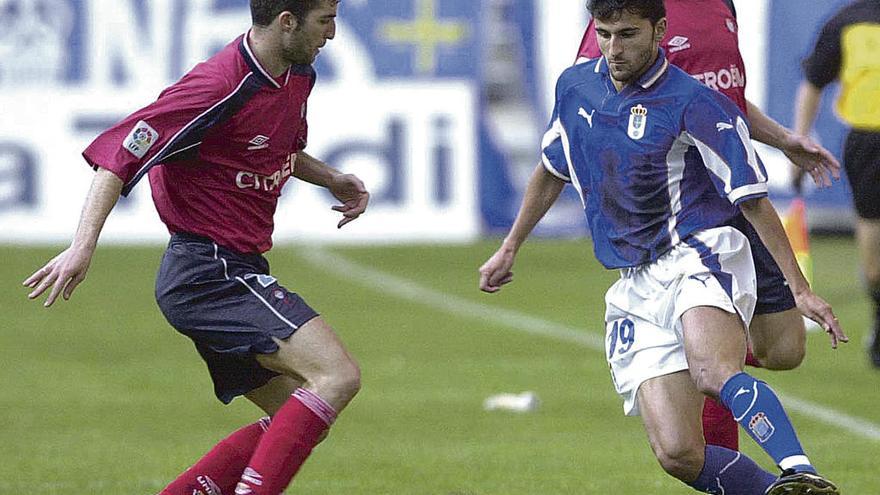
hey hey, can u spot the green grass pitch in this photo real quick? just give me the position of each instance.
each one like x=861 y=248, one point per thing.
x=101 y=396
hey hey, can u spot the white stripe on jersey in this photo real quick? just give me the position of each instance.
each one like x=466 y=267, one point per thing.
x=743 y=130
x=675 y=173
x=714 y=163
x=567 y=149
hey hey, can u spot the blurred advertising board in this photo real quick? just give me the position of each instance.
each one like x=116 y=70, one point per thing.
x=396 y=103
x=439 y=105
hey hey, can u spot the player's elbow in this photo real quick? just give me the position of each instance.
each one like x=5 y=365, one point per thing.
x=753 y=207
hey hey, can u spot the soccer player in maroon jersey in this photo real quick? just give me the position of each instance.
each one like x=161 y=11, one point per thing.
x=218 y=147
x=702 y=40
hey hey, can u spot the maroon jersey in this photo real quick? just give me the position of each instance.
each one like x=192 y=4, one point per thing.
x=218 y=146
x=702 y=40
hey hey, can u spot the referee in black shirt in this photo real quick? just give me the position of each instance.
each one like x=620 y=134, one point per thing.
x=848 y=51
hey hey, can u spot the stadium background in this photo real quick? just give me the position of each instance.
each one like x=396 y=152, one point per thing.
x=439 y=106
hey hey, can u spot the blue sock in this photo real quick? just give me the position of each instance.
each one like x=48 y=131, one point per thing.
x=755 y=406
x=729 y=472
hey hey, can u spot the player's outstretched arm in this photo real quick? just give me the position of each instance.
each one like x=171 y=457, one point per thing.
x=807 y=155
x=761 y=214
x=347 y=188
x=806 y=107
x=541 y=193
x=67 y=270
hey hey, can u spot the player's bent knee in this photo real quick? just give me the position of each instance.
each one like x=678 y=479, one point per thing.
x=340 y=385
x=787 y=358
x=710 y=379
x=348 y=380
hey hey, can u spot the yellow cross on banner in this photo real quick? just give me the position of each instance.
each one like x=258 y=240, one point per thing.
x=426 y=33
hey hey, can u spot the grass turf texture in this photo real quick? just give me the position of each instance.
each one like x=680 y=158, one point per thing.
x=101 y=396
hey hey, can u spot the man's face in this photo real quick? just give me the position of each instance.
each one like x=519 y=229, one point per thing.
x=628 y=43
x=302 y=44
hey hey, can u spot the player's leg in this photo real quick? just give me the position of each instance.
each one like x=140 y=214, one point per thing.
x=777 y=332
x=719 y=427
x=861 y=159
x=779 y=339
x=221 y=468
x=868 y=239
x=670 y=407
x=331 y=378
x=715 y=347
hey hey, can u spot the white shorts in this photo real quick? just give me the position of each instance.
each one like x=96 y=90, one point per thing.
x=643 y=335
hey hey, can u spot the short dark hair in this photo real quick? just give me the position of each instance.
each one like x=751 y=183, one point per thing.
x=263 y=12
x=653 y=10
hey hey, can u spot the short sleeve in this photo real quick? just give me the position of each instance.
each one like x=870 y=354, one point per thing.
x=822 y=66
x=552 y=150
x=719 y=131
x=163 y=131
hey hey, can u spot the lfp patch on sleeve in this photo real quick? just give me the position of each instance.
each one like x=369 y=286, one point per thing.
x=141 y=138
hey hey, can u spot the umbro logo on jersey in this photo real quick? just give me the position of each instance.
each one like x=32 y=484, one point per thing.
x=678 y=43
x=723 y=126
x=589 y=116
x=259 y=142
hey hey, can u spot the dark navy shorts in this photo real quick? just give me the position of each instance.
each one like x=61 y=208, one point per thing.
x=774 y=295
x=861 y=159
x=230 y=307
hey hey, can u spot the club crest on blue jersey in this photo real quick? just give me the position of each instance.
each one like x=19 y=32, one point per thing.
x=638 y=119
x=761 y=426
x=140 y=139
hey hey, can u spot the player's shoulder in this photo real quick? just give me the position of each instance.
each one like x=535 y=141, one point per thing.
x=691 y=92
x=681 y=81
x=583 y=71
x=219 y=74
x=853 y=12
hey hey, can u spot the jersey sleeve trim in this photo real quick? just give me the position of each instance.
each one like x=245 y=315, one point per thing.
x=549 y=168
x=721 y=169
x=191 y=134
x=750 y=191
x=552 y=142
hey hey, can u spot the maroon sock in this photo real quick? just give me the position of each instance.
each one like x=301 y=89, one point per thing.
x=296 y=428
x=719 y=427
x=752 y=361
x=219 y=470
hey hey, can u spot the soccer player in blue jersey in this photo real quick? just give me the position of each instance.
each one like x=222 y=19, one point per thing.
x=663 y=165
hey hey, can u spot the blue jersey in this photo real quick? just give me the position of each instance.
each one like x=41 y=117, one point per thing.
x=662 y=159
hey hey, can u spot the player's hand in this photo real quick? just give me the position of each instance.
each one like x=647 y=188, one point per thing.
x=63 y=273
x=495 y=272
x=816 y=309
x=811 y=158
x=348 y=189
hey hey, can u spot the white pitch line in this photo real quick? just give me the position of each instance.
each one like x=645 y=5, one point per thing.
x=414 y=292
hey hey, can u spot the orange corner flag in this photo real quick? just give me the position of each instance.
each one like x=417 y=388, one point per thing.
x=795 y=223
